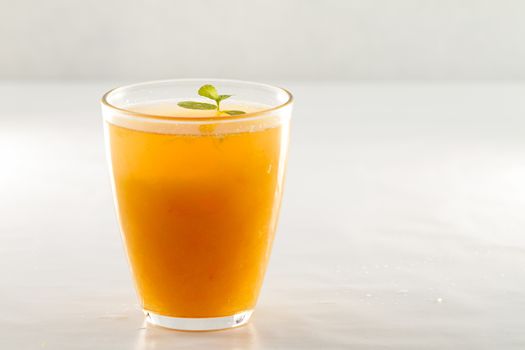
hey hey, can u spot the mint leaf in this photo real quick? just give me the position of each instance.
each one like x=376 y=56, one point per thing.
x=233 y=112
x=196 y=105
x=223 y=97
x=209 y=91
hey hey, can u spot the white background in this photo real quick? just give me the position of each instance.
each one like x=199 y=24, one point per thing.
x=263 y=39
x=401 y=228
x=403 y=221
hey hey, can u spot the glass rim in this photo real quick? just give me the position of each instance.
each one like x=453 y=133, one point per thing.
x=105 y=102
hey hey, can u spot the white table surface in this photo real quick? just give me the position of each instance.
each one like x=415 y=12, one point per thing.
x=403 y=224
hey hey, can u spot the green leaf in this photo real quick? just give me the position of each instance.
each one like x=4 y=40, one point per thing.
x=209 y=91
x=233 y=112
x=196 y=105
x=223 y=97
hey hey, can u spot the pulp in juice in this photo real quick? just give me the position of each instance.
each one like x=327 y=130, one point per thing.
x=198 y=211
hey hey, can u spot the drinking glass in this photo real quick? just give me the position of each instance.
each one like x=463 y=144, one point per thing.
x=197 y=198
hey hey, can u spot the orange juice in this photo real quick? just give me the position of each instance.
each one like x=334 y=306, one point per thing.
x=198 y=212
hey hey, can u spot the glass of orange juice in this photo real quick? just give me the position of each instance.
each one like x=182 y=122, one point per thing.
x=197 y=192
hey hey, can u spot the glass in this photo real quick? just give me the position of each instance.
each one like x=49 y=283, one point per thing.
x=197 y=198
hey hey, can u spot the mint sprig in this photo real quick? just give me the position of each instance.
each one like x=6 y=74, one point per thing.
x=209 y=91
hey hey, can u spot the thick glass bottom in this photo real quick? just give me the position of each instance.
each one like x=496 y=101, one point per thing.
x=199 y=324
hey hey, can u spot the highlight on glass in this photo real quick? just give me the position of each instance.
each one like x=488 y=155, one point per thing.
x=197 y=169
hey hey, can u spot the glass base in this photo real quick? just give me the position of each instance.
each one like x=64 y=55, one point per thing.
x=198 y=324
